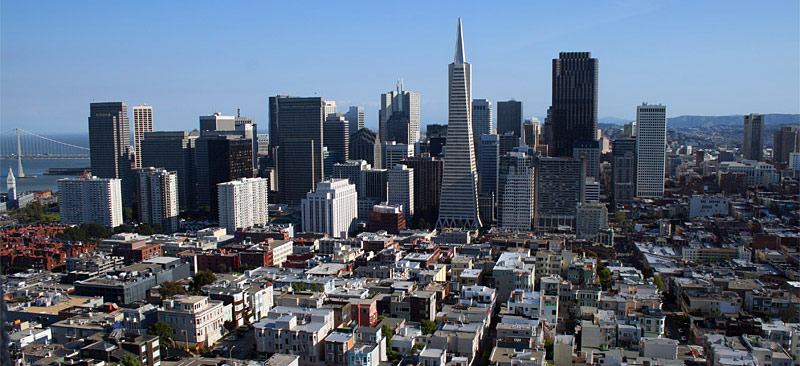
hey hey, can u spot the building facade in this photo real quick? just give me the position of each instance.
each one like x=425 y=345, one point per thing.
x=332 y=208
x=158 y=197
x=88 y=199
x=509 y=117
x=173 y=151
x=109 y=145
x=651 y=144
x=515 y=198
x=243 y=203
x=573 y=115
x=753 y=144
x=400 y=190
x=142 y=123
x=401 y=104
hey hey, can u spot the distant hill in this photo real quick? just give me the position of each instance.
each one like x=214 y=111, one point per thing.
x=709 y=121
x=613 y=121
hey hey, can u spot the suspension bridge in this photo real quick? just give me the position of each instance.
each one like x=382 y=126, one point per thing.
x=20 y=144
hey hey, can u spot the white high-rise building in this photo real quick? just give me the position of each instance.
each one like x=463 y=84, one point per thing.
x=355 y=116
x=329 y=108
x=243 y=203
x=651 y=142
x=516 y=186
x=332 y=208
x=142 y=122
x=394 y=153
x=591 y=218
x=88 y=199
x=401 y=188
x=402 y=102
x=158 y=197
x=591 y=190
x=459 y=199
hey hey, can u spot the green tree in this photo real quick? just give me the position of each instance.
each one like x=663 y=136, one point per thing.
x=169 y=289
x=162 y=330
x=73 y=234
x=96 y=231
x=127 y=213
x=605 y=275
x=222 y=268
x=144 y=229
x=428 y=327
x=621 y=216
x=658 y=282
x=548 y=348
x=130 y=360
x=203 y=278
x=124 y=228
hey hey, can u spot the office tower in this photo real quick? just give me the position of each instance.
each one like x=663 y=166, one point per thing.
x=263 y=144
x=109 y=144
x=243 y=203
x=355 y=116
x=90 y=199
x=249 y=130
x=394 y=153
x=142 y=123
x=365 y=145
x=398 y=128
x=588 y=150
x=298 y=137
x=591 y=190
x=623 y=165
x=488 y=161
x=557 y=191
x=794 y=161
x=174 y=151
x=400 y=189
x=486 y=205
x=481 y=118
x=651 y=142
x=437 y=139
x=515 y=196
x=373 y=190
x=427 y=185
x=591 y=218
x=629 y=130
x=574 y=111
x=158 y=197
x=459 y=200
x=507 y=142
x=509 y=117
x=388 y=218
x=329 y=108
x=530 y=132
x=336 y=135
x=786 y=141
x=351 y=170
x=752 y=148
x=400 y=103
x=216 y=122
x=332 y=208
x=220 y=158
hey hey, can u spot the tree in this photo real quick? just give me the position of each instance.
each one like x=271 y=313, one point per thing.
x=548 y=348
x=621 y=216
x=428 y=327
x=222 y=268
x=605 y=275
x=73 y=234
x=96 y=231
x=658 y=282
x=162 y=330
x=130 y=360
x=127 y=213
x=169 y=289
x=203 y=278
x=124 y=228
x=145 y=229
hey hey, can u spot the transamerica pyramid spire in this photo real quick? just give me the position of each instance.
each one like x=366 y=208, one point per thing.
x=459 y=58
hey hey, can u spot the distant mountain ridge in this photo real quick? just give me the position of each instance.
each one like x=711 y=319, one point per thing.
x=772 y=119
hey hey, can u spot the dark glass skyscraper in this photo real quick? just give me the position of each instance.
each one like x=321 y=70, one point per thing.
x=110 y=144
x=221 y=159
x=574 y=111
x=509 y=117
x=173 y=151
x=365 y=145
x=296 y=131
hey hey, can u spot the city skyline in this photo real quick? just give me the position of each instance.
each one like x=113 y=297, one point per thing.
x=684 y=71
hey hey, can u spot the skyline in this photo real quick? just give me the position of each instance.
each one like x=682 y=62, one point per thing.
x=185 y=67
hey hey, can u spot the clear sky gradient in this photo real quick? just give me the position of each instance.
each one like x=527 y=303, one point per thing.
x=191 y=58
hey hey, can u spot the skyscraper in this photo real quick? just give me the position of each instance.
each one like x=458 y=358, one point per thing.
x=481 y=118
x=623 y=166
x=752 y=148
x=786 y=141
x=88 y=199
x=296 y=132
x=243 y=203
x=488 y=160
x=331 y=208
x=574 y=111
x=509 y=117
x=588 y=150
x=394 y=153
x=220 y=158
x=400 y=103
x=459 y=201
x=365 y=145
x=109 y=144
x=142 y=122
x=530 y=132
x=336 y=134
x=158 y=197
x=174 y=151
x=651 y=142
x=400 y=189
x=351 y=170
x=355 y=116
x=557 y=191
x=515 y=198
x=427 y=185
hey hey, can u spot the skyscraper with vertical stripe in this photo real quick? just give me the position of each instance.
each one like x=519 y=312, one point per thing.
x=459 y=200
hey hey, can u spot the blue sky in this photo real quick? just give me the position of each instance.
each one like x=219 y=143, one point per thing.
x=193 y=58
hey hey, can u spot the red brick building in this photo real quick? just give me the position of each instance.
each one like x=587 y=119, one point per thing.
x=386 y=217
x=36 y=246
x=364 y=312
